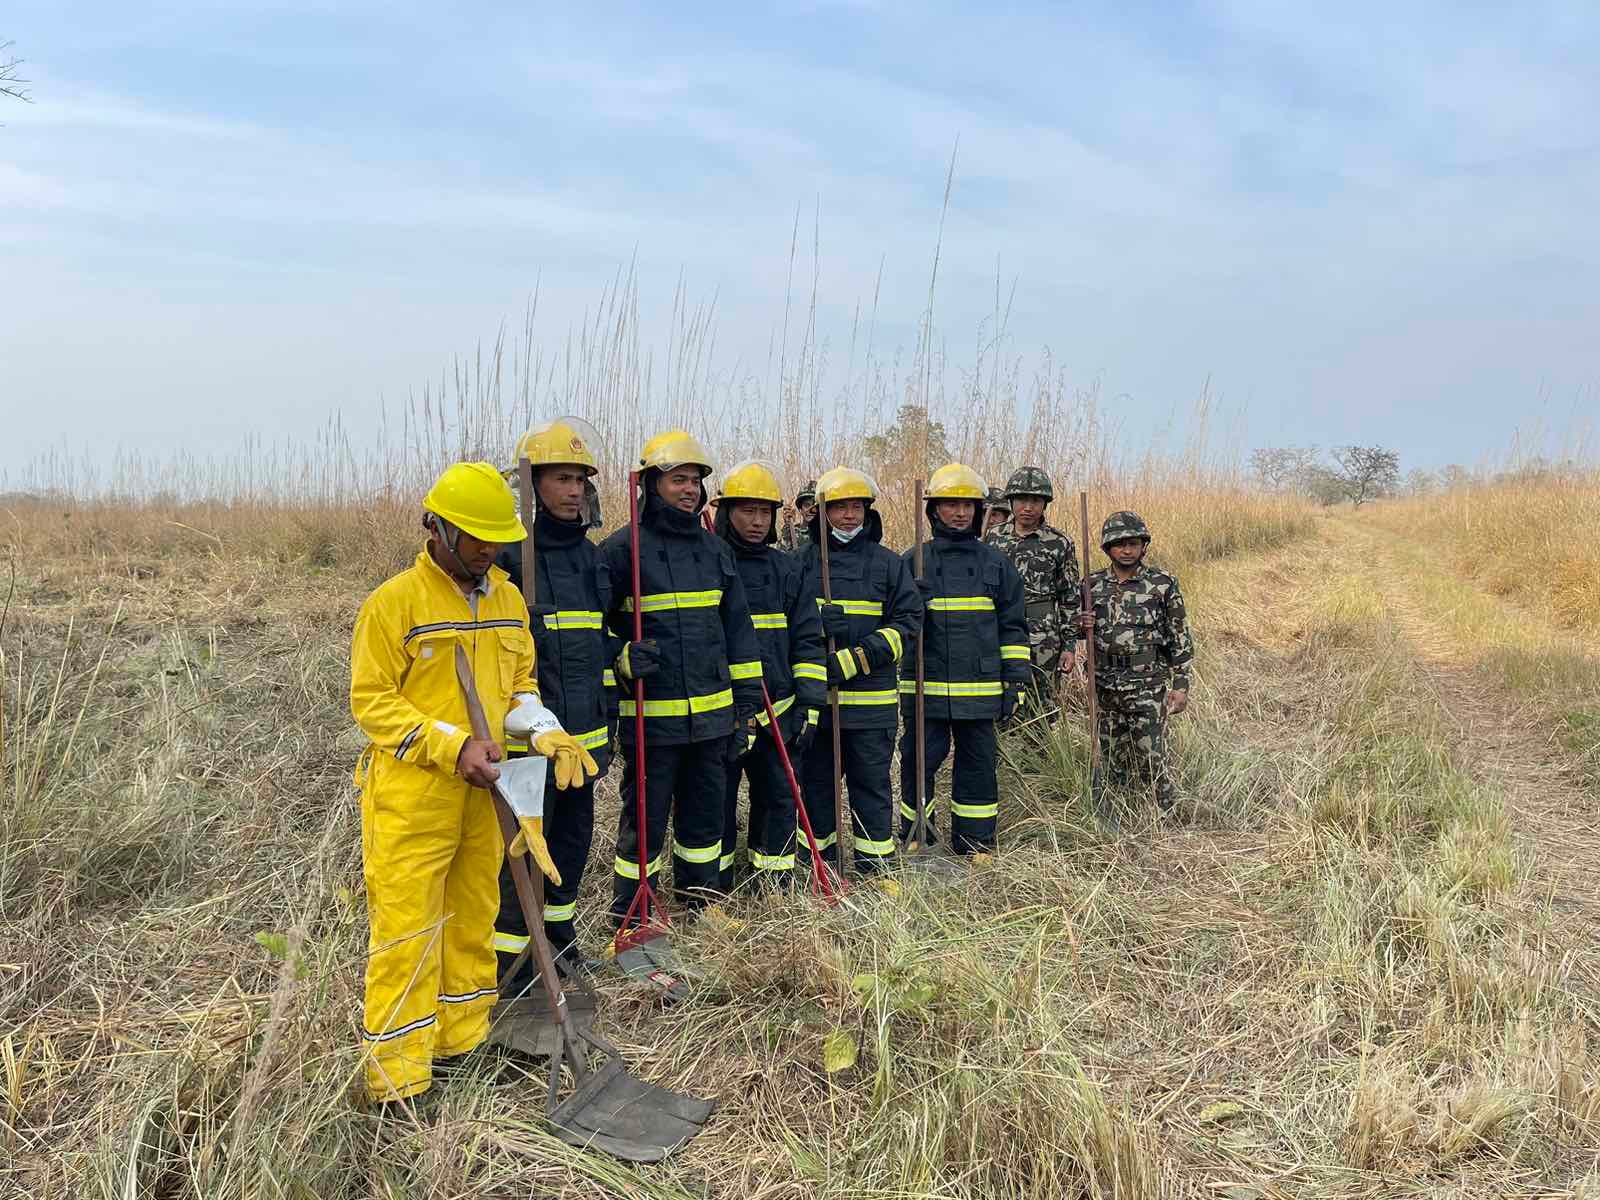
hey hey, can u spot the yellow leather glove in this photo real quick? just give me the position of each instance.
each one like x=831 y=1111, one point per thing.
x=571 y=762
x=530 y=840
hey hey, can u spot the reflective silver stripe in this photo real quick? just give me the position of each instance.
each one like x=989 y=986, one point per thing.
x=848 y=697
x=727 y=861
x=975 y=812
x=465 y=997
x=771 y=862
x=554 y=914
x=421 y=1023
x=466 y=626
x=575 y=619
x=405 y=742
x=770 y=620
x=778 y=706
x=961 y=604
x=511 y=943
x=698 y=854
x=745 y=670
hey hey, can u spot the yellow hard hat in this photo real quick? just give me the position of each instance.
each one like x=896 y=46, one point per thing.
x=672 y=449
x=953 y=481
x=846 y=483
x=752 y=480
x=564 y=441
x=477 y=500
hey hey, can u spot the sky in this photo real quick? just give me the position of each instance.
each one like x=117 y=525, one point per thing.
x=1362 y=222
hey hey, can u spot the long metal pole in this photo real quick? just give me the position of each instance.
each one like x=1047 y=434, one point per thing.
x=1087 y=605
x=820 y=883
x=841 y=832
x=919 y=826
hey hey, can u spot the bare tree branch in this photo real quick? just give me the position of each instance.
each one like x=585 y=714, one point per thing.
x=10 y=82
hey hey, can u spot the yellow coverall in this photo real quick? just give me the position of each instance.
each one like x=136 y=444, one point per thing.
x=431 y=846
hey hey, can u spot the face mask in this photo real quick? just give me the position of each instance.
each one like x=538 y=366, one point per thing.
x=847 y=538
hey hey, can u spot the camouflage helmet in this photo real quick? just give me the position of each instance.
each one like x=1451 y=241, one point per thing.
x=1029 y=481
x=1120 y=525
x=807 y=494
x=999 y=500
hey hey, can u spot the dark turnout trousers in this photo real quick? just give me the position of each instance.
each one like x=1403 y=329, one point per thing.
x=974 y=789
x=569 y=830
x=772 y=816
x=686 y=782
x=866 y=757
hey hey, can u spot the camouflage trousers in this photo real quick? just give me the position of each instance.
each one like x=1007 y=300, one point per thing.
x=1133 y=741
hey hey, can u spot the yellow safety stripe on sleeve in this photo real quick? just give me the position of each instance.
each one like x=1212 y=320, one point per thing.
x=575 y=619
x=892 y=636
x=680 y=708
x=745 y=670
x=727 y=861
x=857 y=608
x=608 y=677
x=1015 y=652
x=960 y=604
x=876 y=849
x=778 y=706
x=862 y=698
x=555 y=913
x=510 y=943
x=806 y=670
x=628 y=868
x=698 y=854
x=975 y=812
x=772 y=862
x=770 y=620
x=594 y=739
x=661 y=601
x=951 y=691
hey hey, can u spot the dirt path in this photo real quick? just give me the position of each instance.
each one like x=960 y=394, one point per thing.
x=1507 y=741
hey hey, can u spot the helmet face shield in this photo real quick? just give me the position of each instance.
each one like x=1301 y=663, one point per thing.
x=673 y=449
x=561 y=441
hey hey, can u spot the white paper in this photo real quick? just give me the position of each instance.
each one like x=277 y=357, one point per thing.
x=522 y=784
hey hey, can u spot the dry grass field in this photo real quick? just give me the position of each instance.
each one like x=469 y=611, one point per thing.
x=1360 y=962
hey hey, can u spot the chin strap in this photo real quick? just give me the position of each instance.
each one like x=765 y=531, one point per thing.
x=450 y=538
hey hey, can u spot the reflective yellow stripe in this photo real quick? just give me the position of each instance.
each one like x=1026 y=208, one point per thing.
x=667 y=600
x=681 y=708
x=727 y=861
x=594 y=739
x=510 y=943
x=770 y=620
x=556 y=913
x=628 y=868
x=575 y=619
x=778 y=706
x=772 y=862
x=933 y=687
x=892 y=636
x=517 y=745
x=961 y=604
x=608 y=677
x=976 y=812
x=745 y=670
x=857 y=608
x=698 y=854
x=824 y=843
x=848 y=698
x=816 y=671
x=876 y=849
x=1015 y=652
x=910 y=813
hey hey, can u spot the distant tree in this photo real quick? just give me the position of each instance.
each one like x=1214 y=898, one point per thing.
x=1282 y=468
x=910 y=448
x=10 y=82
x=1454 y=477
x=1317 y=482
x=1421 y=483
x=1366 y=472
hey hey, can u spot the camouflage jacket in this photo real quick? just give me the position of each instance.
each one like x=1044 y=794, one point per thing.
x=1143 y=618
x=1048 y=564
x=794 y=537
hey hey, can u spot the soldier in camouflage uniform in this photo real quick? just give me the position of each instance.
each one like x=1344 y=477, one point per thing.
x=1142 y=654
x=796 y=534
x=1048 y=563
x=997 y=512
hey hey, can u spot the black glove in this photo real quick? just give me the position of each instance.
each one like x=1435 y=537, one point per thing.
x=843 y=666
x=740 y=743
x=805 y=733
x=536 y=615
x=1010 y=700
x=639 y=660
x=836 y=623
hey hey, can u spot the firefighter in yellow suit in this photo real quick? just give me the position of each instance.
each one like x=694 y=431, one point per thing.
x=431 y=844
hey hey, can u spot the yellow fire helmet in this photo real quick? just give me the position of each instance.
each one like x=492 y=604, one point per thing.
x=752 y=480
x=954 y=481
x=846 y=483
x=564 y=441
x=476 y=499
x=672 y=449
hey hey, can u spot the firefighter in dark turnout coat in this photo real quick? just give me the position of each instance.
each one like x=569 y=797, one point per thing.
x=700 y=665
x=875 y=614
x=975 y=661
x=789 y=631
x=574 y=653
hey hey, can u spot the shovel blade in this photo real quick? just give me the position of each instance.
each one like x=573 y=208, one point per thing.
x=526 y=1024
x=627 y=1117
x=654 y=962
